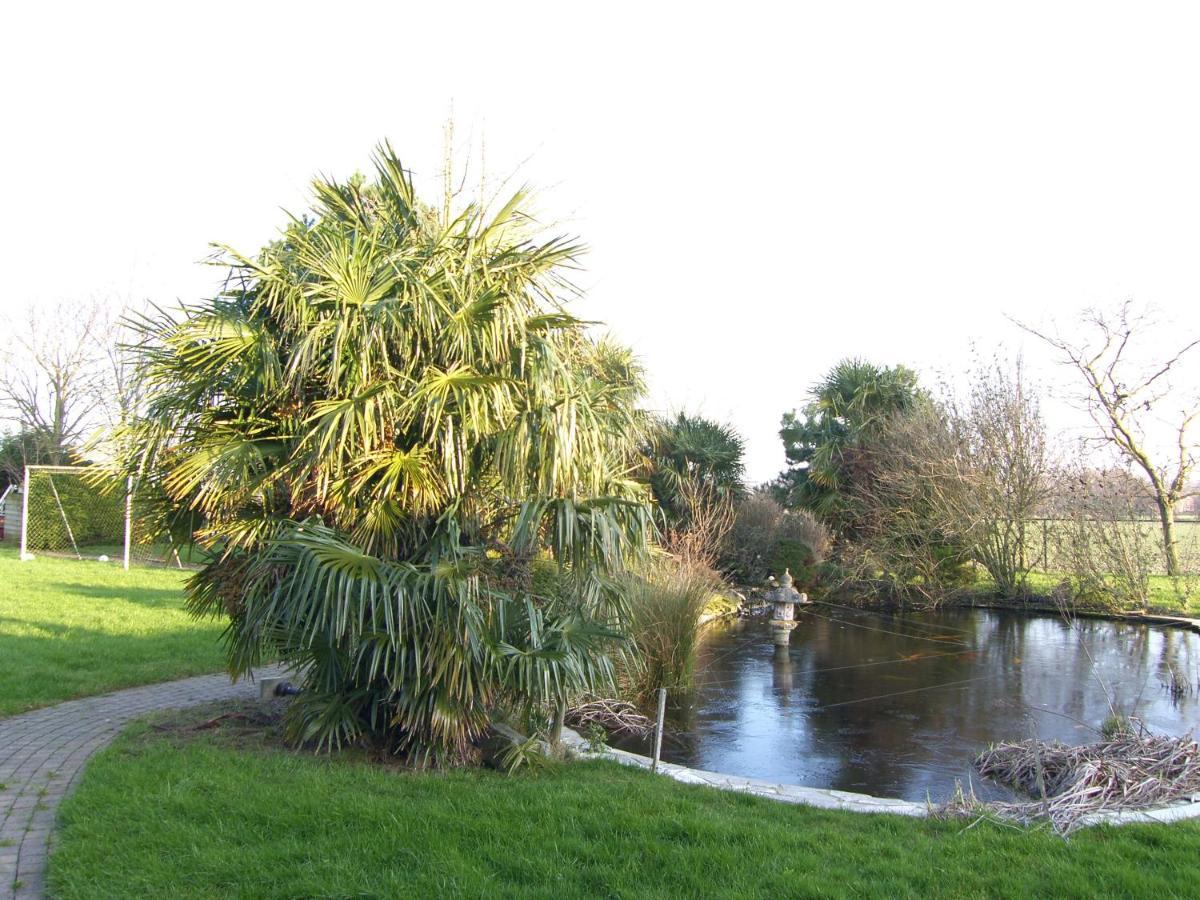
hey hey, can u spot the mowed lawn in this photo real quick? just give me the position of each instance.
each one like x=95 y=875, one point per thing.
x=173 y=812
x=71 y=628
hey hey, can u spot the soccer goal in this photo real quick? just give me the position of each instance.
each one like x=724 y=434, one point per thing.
x=69 y=511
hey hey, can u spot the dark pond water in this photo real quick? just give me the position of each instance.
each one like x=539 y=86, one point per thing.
x=898 y=705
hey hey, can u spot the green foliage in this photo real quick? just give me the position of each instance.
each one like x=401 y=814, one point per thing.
x=384 y=419
x=792 y=555
x=1116 y=726
x=528 y=754
x=828 y=444
x=596 y=737
x=665 y=600
x=708 y=455
x=267 y=824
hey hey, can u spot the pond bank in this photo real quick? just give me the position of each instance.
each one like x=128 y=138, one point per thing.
x=849 y=801
x=1045 y=605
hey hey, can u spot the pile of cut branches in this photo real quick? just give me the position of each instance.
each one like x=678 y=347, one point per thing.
x=616 y=716
x=1067 y=784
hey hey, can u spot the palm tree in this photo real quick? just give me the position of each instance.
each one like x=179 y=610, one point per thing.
x=387 y=420
x=827 y=445
x=707 y=455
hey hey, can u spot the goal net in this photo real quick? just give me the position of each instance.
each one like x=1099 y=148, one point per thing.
x=69 y=511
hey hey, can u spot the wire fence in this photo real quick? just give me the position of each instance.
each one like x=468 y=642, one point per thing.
x=1047 y=541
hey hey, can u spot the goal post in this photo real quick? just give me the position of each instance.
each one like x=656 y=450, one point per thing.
x=76 y=512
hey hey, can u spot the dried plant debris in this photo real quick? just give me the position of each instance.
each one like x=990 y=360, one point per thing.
x=1066 y=784
x=617 y=717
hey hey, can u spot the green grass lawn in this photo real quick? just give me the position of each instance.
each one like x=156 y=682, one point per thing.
x=71 y=628
x=171 y=810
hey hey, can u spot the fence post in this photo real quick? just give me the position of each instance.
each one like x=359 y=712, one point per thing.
x=25 y=517
x=128 y=517
x=658 y=728
x=1045 y=552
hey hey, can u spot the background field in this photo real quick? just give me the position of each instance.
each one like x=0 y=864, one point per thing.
x=71 y=628
x=1043 y=542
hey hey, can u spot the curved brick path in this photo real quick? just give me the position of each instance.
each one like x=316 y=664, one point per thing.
x=42 y=755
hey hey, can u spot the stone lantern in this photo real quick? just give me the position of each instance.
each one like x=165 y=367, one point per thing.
x=785 y=599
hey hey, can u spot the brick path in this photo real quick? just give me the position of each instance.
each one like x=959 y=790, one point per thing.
x=42 y=754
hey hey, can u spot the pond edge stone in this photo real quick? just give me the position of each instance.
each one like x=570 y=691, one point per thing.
x=848 y=801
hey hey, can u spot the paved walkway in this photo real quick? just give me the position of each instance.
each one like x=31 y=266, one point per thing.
x=42 y=754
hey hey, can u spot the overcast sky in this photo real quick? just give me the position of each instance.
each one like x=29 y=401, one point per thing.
x=766 y=188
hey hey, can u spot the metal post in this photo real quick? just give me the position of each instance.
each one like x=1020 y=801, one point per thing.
x=128 y=517
x=25 y=517
x=658 y=728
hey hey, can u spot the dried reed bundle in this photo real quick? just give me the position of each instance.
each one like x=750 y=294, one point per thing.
x=1065 y=784
x=615 y=716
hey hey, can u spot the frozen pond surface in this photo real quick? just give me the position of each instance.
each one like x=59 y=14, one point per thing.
x=898 y=705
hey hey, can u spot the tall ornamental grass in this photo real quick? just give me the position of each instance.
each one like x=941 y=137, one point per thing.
x=664 y=602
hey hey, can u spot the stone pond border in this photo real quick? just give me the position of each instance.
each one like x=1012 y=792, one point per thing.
x=847 y=801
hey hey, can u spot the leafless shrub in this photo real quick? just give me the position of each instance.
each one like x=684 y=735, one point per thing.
x=708 y=517
x=746 y=550
x=804 y=528
x=1102 y=546
x=960 y=479
x=765 y=537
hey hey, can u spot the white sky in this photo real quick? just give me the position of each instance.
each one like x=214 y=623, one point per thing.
x=766 y=188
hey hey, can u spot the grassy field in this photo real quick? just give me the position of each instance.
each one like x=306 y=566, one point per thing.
x=1044 y=540
x=171 y=810
x=71 y=629
x=1167 y=595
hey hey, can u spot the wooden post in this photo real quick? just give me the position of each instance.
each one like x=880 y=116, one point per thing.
x=128 y=517
x=658 y=728
x=556 y=730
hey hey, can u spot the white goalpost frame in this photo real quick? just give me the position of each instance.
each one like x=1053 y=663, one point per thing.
x=71 y=470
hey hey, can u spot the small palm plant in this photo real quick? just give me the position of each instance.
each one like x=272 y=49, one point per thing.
x=384 y=420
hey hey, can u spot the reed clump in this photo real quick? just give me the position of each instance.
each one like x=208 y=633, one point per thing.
x=1065 y=785
x=664 y=602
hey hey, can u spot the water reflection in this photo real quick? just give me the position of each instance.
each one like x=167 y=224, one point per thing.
x=898 y=705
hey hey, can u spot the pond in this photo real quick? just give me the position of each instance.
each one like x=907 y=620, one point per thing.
x=898 y=705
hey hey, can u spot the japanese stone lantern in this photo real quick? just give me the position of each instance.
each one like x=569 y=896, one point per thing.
x=785 y=598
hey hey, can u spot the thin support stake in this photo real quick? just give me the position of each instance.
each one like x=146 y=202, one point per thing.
x=25 y=517
x=128 y=517
x=658 y=728
x=62 y=512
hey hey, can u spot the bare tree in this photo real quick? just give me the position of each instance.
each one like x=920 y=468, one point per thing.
x=1099 y=539
x=56 y=382
x=1123 y=394
x=707 y=517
